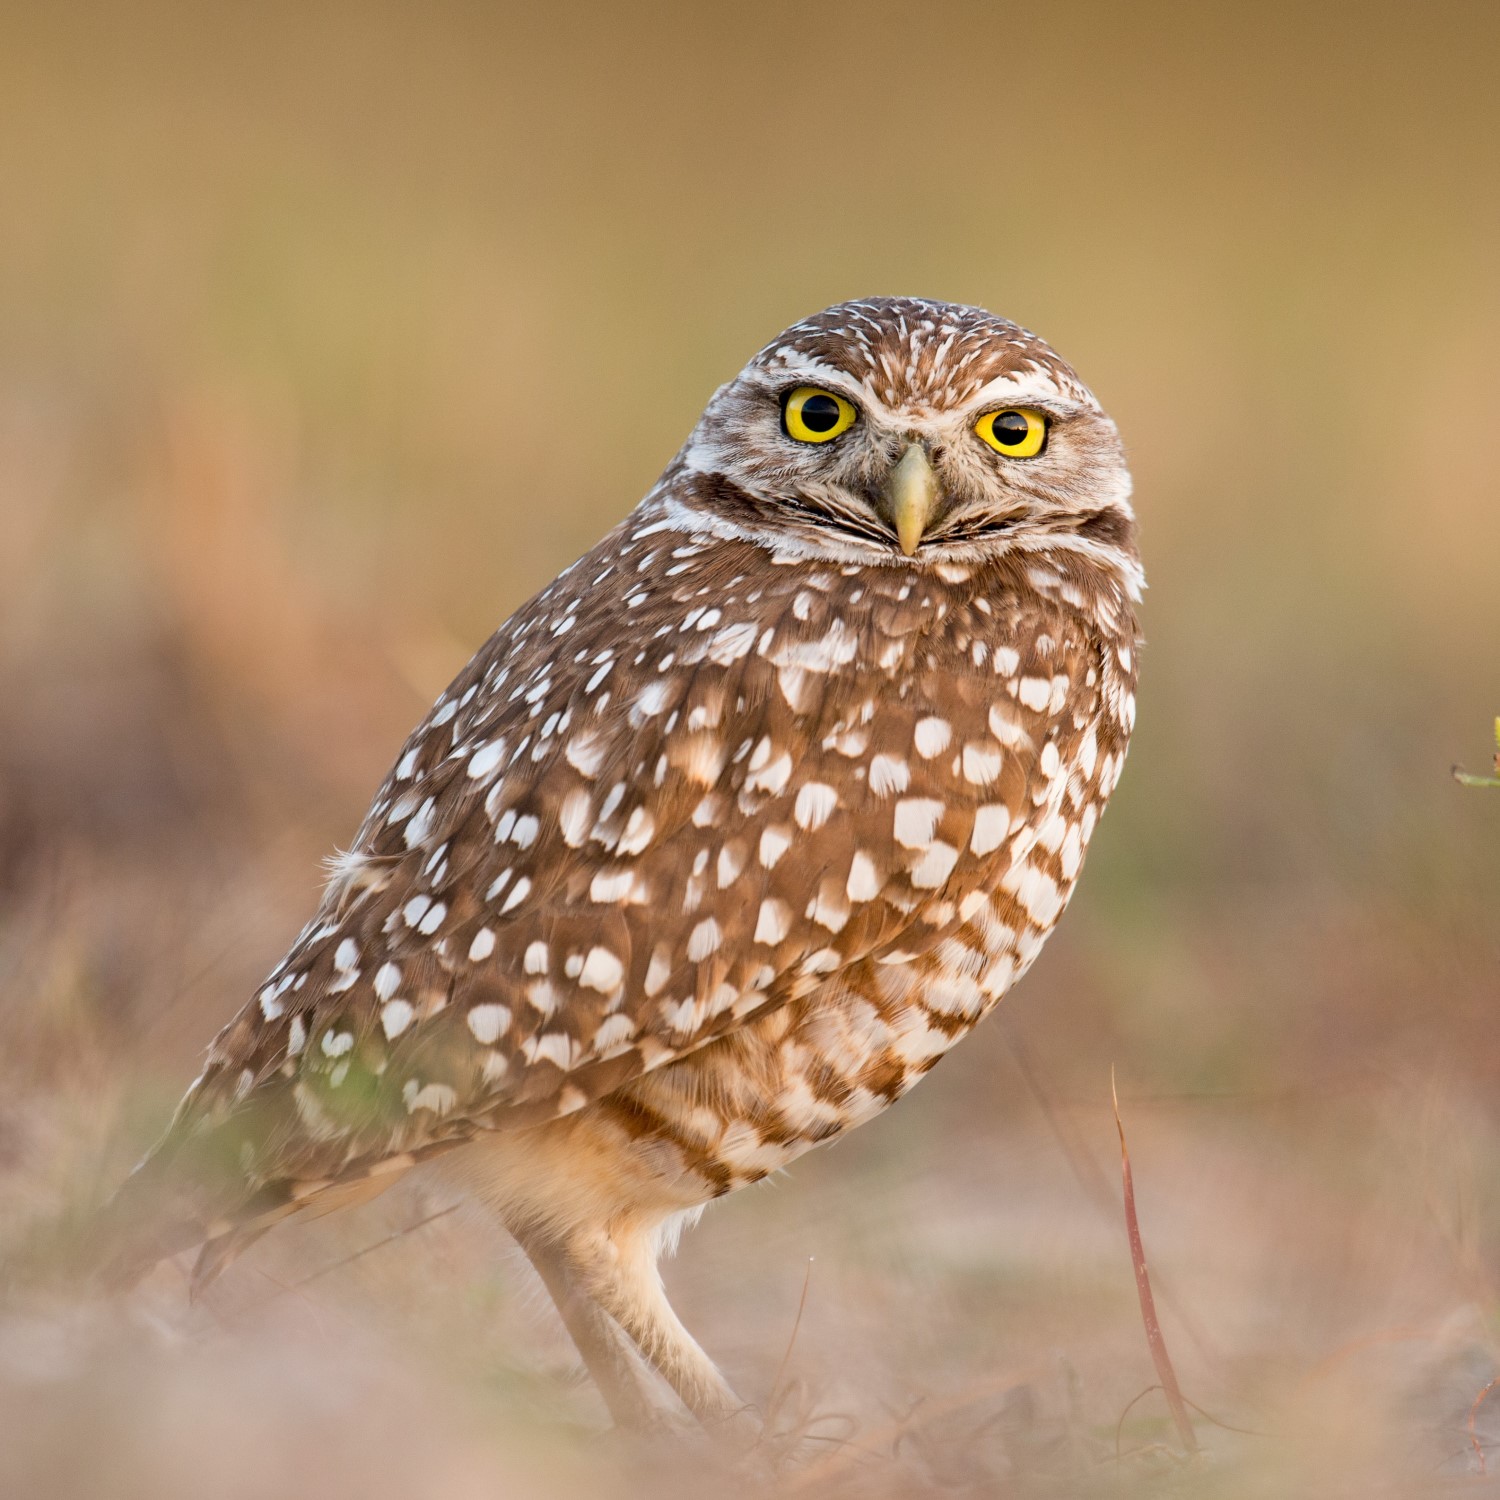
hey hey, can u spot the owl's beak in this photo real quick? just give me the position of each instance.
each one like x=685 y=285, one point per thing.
x=911 y=498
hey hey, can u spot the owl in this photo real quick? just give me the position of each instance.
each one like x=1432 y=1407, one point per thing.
x=716 y=846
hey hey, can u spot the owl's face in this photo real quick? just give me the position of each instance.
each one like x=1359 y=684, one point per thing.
x=912 y=433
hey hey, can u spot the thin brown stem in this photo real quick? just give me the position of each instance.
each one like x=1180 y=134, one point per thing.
x=775 y=1394
x=1158 y=1345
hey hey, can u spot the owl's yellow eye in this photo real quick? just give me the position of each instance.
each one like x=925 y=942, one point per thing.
x=813 y=415
x=1017 y=432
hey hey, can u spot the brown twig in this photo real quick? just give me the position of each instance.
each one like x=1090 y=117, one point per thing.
x=1158 y=1345
x=1478 y=1447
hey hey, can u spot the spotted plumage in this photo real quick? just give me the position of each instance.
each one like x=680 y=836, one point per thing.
x=718 y=844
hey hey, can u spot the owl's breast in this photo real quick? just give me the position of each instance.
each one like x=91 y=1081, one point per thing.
x=968 y=740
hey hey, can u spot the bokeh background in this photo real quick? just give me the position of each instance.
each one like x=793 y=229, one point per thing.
x=328 y=333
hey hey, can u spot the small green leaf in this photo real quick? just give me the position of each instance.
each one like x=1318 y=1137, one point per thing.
x=1465 y=778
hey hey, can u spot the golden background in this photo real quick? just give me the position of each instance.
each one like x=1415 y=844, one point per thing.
x=330 y=333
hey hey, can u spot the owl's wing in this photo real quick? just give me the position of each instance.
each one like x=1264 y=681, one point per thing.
x=681 y=785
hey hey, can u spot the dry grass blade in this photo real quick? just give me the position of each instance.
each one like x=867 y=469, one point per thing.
x=348 y=1260
x=1207 y=1416
x=773 y=1401
x=1159 y=1356
x=878 y=1443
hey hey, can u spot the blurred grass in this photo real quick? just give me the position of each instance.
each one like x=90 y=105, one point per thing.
x=330 y=332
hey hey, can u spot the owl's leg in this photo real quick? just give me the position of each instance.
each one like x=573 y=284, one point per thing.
x=609 y=1360
x=622 y=1276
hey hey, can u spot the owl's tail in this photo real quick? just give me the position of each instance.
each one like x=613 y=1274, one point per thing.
x=174 y=1202
x=151 y=1217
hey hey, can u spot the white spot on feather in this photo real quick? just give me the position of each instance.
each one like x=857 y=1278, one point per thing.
x=730 y=644
x=1034 y=692
x=888 y=773
x=1005 y=726
x=610 y=886
x=815 y=804
x=864 y=879
x=486 y=758
x=704 y=940
x=437 y=1097
x=982 y=762
x=774 y=842
x=487 y=1022
x=773 y=922
x=771 y=778
x=337 y=1043
x=615 y=1034
x=991 y=825
x=640 y=828
x=652 y=699
x=419 y=825
x=932 y=736
x=658 y=971
x=916 y=821
x=395 y=1017
x=935 y=865
x=601 y=971
x=575 y=817
x=585 y=753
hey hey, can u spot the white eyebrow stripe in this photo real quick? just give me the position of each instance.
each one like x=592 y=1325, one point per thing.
x=1034 y=385
x=814 y=372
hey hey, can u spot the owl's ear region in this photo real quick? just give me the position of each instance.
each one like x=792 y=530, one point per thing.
x=911 y=498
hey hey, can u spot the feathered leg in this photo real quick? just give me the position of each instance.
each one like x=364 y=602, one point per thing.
x=621 y=1276
x=609 y=1360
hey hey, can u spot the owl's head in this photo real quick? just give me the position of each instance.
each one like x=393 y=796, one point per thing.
x=902 y=431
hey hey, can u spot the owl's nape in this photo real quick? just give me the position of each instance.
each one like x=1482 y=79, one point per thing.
x=718 y=844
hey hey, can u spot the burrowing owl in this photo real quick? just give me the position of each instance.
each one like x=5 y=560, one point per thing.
x=718 y=844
